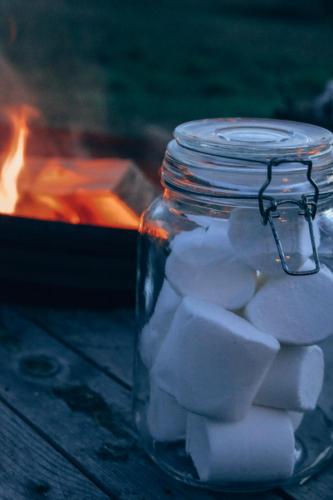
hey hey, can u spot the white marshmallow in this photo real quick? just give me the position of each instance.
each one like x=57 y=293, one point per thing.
x=259 y=448
x=156 y=329
x=202 y=244
x=295 y=309
x=202 y=265
x=296 y=419
x=295 y=379
x=254 y=243
x=212 y=361
x=166 y=420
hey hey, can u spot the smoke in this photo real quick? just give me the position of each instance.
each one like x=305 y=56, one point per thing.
x=12 y=89
x=47 y=60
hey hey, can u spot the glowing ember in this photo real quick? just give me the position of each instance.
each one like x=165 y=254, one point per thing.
x=104 y=192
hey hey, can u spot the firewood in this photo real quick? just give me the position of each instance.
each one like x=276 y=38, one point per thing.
x=109 y=191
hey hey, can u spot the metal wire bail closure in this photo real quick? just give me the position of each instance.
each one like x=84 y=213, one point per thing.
x=306 y=204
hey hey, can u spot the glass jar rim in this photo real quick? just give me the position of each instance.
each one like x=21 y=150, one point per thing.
x=229 y=157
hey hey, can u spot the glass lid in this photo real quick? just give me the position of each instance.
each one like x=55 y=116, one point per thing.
x=230 y=157
x=253 y=137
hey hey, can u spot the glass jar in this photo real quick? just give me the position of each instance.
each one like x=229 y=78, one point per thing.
x=235 y=305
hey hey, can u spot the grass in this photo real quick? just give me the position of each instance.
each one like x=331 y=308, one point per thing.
x=122 y=64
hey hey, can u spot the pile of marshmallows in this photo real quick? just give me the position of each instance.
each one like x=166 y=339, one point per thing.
x=230 y=347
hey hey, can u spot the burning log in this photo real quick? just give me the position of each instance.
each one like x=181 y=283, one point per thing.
x=105 y=192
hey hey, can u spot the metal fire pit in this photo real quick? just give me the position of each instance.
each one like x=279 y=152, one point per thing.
x=49 y=262
x=59 y=263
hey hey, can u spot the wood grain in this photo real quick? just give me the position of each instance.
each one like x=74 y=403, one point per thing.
x=31 y=469
x=106 y=338
x=82 y=412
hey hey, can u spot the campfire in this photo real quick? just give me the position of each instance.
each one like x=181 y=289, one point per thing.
x=109 y=192
x=70 y=204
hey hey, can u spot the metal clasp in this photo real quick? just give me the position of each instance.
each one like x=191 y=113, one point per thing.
x=306 y=204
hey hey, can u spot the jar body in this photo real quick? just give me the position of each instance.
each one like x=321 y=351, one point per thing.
x=231 y=351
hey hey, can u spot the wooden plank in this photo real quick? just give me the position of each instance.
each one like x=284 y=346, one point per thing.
x=30 y=468
x=104 y=337
x=83 y=413
x=107 y=339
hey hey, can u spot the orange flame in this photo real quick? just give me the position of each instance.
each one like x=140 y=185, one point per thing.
x=14 y=161
x=77 y=191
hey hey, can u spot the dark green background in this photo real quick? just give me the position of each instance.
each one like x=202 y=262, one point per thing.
x=122 y=65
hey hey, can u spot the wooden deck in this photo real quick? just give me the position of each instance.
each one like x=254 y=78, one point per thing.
x=65 y=422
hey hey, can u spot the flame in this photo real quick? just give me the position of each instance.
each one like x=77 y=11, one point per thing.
x=14 y=161
x=77 y=191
